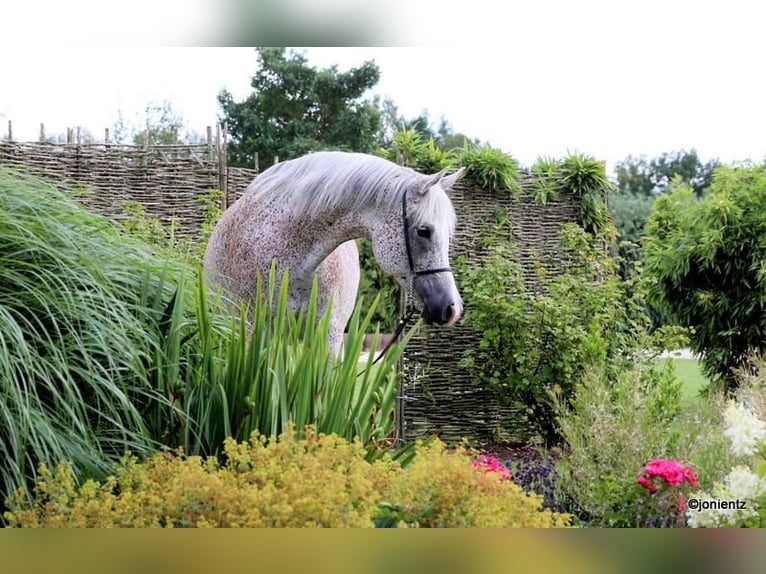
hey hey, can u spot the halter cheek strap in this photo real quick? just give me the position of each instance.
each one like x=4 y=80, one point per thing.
x=409 y=248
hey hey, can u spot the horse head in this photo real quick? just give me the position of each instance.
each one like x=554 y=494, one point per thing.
x=414 y=246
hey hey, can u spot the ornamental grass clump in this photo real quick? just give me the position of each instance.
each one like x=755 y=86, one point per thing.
x=315 y=481
x=78 y=302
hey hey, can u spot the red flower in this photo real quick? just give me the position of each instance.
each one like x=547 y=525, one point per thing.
x=672 y=471
x=491 y=464
x=646 y=483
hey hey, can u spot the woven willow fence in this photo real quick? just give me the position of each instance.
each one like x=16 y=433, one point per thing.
x=438 y=395
x=169 y=181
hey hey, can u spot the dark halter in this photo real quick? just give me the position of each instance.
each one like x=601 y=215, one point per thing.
x=411 y=309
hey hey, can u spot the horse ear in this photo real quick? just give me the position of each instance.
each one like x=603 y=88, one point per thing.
x=450 y=180
x=432 y=180
x=446 y=181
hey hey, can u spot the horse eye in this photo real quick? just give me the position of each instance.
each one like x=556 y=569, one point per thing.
x=424 y=232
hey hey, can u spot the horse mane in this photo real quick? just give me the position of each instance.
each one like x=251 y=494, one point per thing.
x=323 y=182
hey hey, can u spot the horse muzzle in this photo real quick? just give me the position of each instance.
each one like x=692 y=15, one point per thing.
x=443 y=316
x=442 y=304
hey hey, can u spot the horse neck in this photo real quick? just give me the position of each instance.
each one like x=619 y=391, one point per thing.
x=324 y=233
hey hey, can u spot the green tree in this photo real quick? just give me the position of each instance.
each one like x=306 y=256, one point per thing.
x=162 y=127
x=444 y=136
x=638 y=182
x=160 y=124
x=640 y=176
x=705 y=260
x=296 y=108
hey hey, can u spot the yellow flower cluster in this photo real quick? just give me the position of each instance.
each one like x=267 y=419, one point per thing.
x=318 y=480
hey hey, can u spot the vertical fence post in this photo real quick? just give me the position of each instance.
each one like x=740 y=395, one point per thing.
x=10 y=131
x=210 y=143
x=223 y=179
x=42 y=132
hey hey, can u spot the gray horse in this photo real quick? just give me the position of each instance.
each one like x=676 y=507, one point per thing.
x=305 y=214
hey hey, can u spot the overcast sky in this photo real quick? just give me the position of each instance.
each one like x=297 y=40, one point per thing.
x=645 y=79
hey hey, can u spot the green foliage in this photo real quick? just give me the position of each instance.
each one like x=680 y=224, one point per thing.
x=705 y=259
x=267 y=368
x=630 y=213
x=74 y=333
x=295 y=109
x=158 y=125
x=163 y=126
x=537 y=345
x=613 y=425
x=638 y=182
x=410 y=149
x=151 y=230
x=493 y=169
x=545 y=184
x=586 y=177
x=315 y=481
x=638 y=176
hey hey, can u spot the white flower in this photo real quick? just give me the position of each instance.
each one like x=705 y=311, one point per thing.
x=744 y=484
x=701 y=518
x=715 y=515
x=743 y=428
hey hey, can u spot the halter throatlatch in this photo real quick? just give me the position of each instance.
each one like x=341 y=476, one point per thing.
x=411 y=309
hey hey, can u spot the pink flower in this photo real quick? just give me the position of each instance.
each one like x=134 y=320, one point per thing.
x=646 y=483
x=491 y=464
x=670 y=502
x=672 y=471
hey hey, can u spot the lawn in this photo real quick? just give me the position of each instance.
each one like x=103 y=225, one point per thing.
x=690 y=372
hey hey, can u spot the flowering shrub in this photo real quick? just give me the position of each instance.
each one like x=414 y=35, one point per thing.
x=439 y=489
x=740 y=500
x=317 y=480
x=745 y=431
x=612 y=427
x=666 y=503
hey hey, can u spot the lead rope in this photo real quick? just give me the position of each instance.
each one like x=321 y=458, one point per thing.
x=411 y=310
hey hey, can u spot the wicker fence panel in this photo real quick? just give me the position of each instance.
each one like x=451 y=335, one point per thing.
x=437 y=394
x=167 y=180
